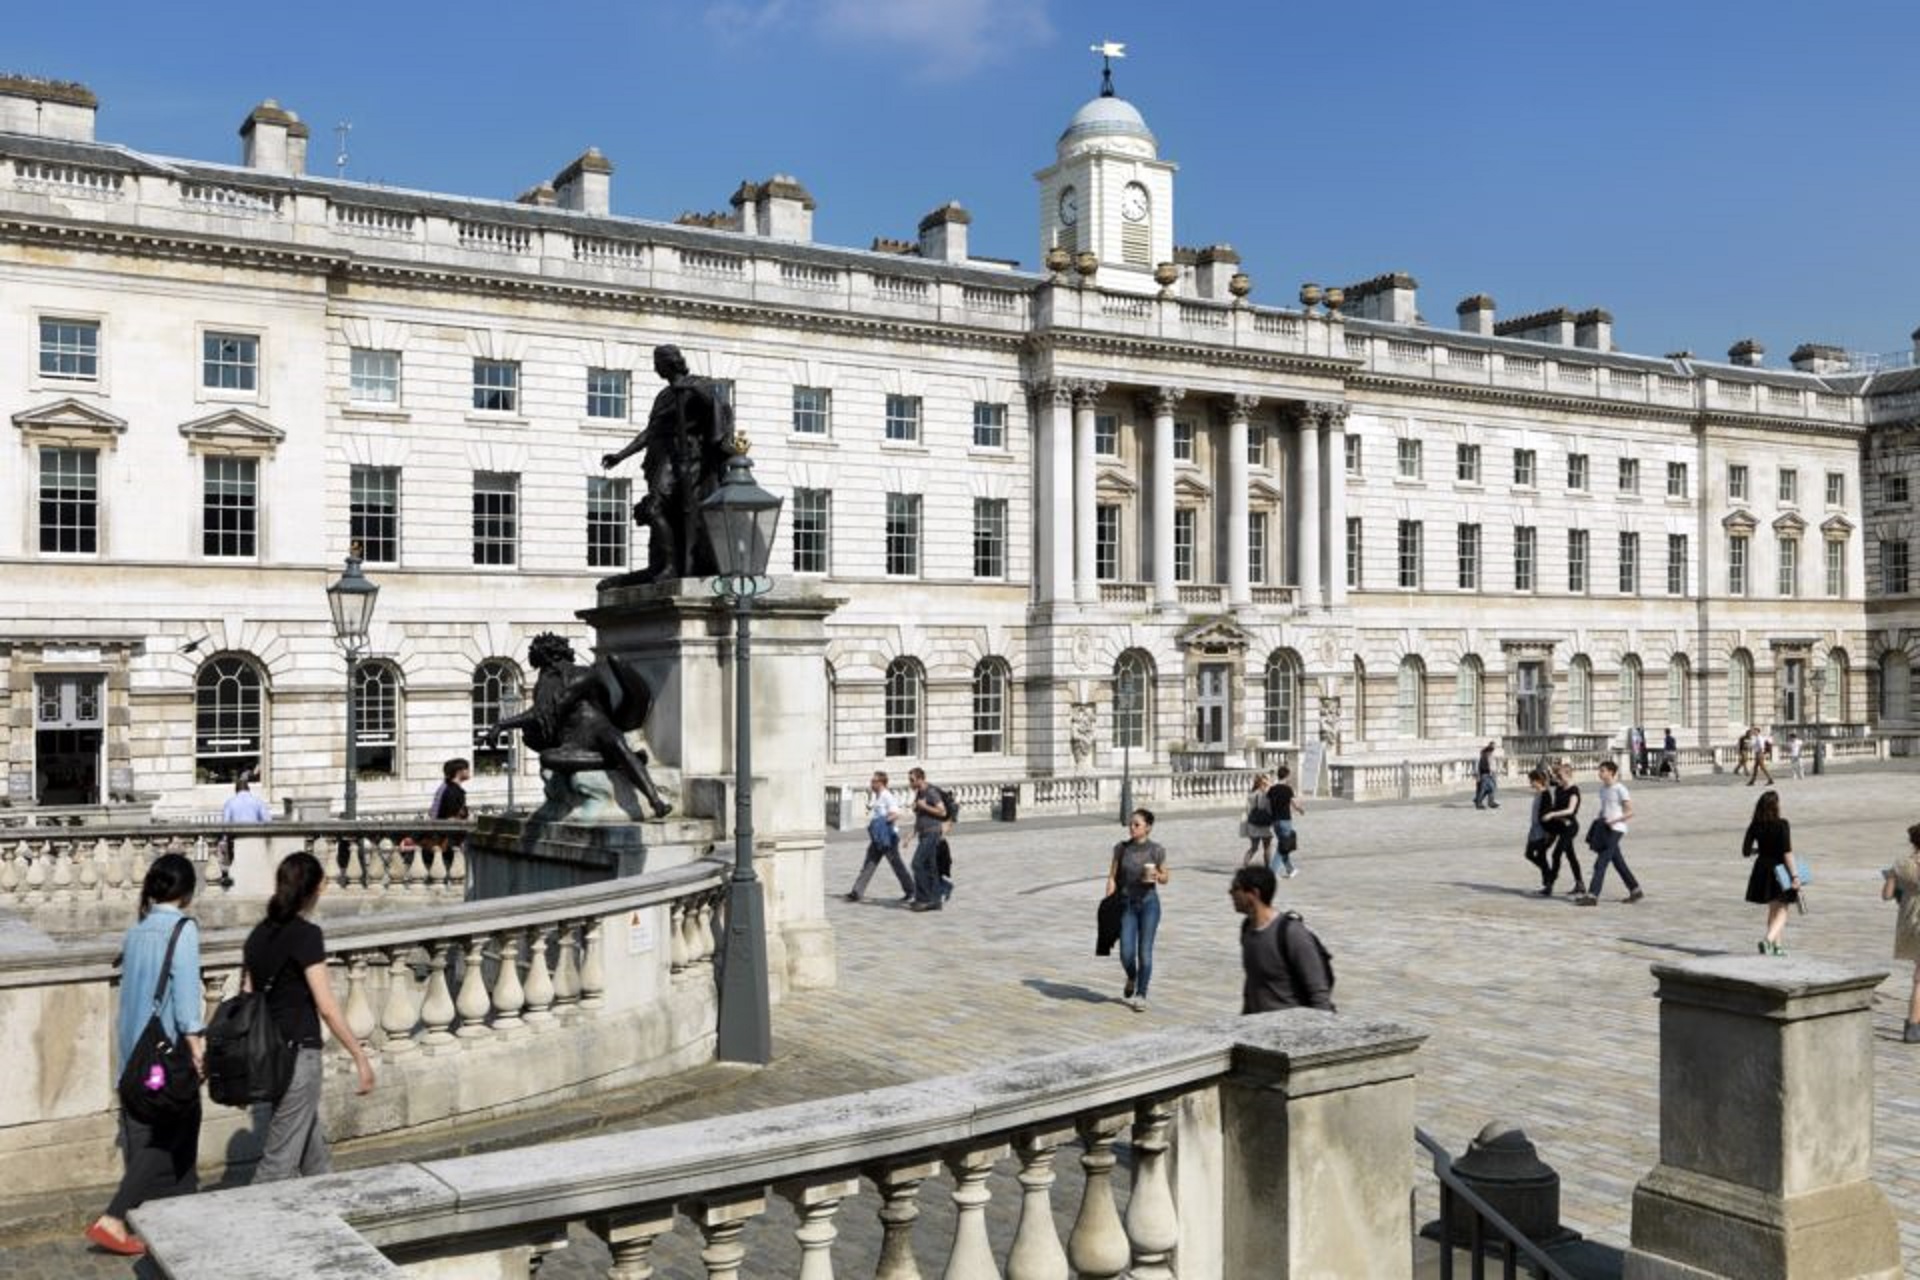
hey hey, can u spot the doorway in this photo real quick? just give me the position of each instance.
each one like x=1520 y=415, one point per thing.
x=1211 y=703
x=69 y=723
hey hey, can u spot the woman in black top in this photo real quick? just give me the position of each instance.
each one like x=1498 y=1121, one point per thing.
x=1562 y=821
x=286 y=957
x=1769 y=842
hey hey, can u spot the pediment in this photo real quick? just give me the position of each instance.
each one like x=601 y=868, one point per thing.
x=1837 y=526
x=1260 y=490
x=233 y=431
x=1216 y=635
x=1191 y=486
x=1739 y=520
x=1789 y=524
x=1111 y=480
x=71 y=421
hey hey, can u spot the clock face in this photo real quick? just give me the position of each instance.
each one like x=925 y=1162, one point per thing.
x=1069 y=206
x=1133 y=203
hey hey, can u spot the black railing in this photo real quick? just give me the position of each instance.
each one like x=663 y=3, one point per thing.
x=1487 y=1231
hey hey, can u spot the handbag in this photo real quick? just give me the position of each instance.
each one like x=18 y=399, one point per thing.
x=159 y=1082
x=1785 y=877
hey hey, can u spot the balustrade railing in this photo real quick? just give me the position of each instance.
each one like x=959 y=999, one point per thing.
x=1208 y=593
x=68 y=866
x=208 y=197
x=494 y=237
x=1227 y=1106
x=1123 y=593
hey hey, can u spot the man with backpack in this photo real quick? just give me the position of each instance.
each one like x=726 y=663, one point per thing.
x=1286 y=965
x=929 y=819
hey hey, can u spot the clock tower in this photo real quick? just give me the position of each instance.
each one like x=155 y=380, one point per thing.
x=1108 y=191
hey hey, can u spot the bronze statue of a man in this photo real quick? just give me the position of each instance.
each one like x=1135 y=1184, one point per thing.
x=683 y=452
x=572 y=722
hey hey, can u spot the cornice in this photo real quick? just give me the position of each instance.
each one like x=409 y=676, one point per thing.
x=1042 y=341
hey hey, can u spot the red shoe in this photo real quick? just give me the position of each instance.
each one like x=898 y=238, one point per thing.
x=125 y=1246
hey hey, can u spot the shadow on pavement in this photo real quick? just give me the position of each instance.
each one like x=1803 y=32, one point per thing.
x=1068 y=991
x=1675 y=946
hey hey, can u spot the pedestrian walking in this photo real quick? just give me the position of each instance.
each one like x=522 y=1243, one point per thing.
x=1285 y=806
x=286 y=957
x=1744 y=764
x=1286 y=966
x=929 y=816
x=1259 y=823
x=1900 y=883
x=1539 y=838
x=1605 y=835
x=1794 y=747
x=1769 y=842
x=1484 y=782
x=1138 y=870
x=1562 y=821
x=161 y=1157
x=1762 y=752
x=449 y=803
x=244 y=805
x=1670 y=755
x=883 y=839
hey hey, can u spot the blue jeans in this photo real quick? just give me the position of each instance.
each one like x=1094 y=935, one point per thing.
x=1483 y=790
x=1139 y=921
x=926 y=869
x=1283 y=839
x=1608 y=854
x=883 y=842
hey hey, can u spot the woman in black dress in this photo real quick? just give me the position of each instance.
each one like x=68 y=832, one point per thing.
x=1769 y=842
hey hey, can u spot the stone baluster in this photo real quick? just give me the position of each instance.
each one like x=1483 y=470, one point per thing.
x=36 y=888
x=113 y=871
x=972 y=1256
x=593 y=965
x=678 y=952
x=899 y=1187
x=508 y=995
x=721 y=1222
x=137 y=862
x=433 y=869
x=416 y=867
x=539 y=987
x=1098 y=1248
x=473 y=1003
x=359 y=1009
x=815 y=1203
x=10 y=876
x=87 y=876
x=1036 y=1252
x=437 y=1010
x=705 y=936
x=354 y=874
x=566 y=975
x=401 y=1011
x=630 y=1235
x=1153 y=1222
x=457 y=870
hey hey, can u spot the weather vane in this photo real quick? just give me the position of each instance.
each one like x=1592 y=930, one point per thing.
x=1108 y=51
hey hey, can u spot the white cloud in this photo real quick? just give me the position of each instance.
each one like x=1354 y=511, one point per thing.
x=943 y=39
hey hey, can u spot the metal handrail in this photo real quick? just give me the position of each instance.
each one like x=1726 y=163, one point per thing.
x=1512 y=1242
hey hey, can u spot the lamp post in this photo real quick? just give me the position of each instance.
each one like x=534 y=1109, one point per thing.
x=1126 y=697
x=1818 y=680
x=351 y=599
x=740 y=518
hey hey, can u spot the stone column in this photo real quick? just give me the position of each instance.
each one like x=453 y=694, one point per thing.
x=1165 y=594
x=1238 y=410
x=1308 y=524
x=1053 y=462
x=1086 y=588
x=1766 y=1126
x=1336 y=539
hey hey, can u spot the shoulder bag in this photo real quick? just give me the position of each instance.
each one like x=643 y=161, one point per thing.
x=159 y=1082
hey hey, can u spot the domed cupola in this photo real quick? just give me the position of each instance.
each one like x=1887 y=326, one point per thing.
x=1108 y=123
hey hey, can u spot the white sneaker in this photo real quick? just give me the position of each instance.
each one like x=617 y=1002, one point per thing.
x=1292 y=872
x=1138 y=1004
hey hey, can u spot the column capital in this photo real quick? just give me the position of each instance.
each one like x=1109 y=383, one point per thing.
x=1163 y=399
x=1086 y=391
x=1057 y=391
x=1241 y=407
x=1334 y=415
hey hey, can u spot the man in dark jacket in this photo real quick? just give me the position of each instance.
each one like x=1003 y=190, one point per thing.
x=1284 y=963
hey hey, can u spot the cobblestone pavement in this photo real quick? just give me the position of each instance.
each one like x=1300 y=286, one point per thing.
x=1538 y=1013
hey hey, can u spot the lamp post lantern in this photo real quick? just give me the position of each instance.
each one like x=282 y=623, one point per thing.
x=351 y=599
x=740 y=519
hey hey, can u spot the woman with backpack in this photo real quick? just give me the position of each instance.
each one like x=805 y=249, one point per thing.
x=163 y=947
x=286 y=958
x=1259 y=823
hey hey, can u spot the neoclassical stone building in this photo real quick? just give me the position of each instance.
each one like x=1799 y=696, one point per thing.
x=1107 y=506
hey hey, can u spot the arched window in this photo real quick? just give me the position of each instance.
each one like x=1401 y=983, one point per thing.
x=496 y=695
x=1411 y=688
x=1283 y=697
x=1580 y=694
x=1469 y=696
x=1740 y=688
x=1632 y=704
x=229 y=705
x=1359 y=700
x=1133 y=700
x=1833 y=697
x=376 y=719
x=990 y=681
x=1896 y=686
x=904 y=699
x=1679 y=690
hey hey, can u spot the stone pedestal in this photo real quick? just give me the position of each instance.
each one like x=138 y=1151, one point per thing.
x=677 y=637
x=1766 y=1127
x=510 y=854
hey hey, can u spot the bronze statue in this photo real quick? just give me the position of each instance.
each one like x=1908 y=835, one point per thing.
x=575 y=724
x=683 y=452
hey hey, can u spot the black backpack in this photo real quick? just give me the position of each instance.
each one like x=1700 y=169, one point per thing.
x=1291 y=918
x=248 y=1059
x=949 y=803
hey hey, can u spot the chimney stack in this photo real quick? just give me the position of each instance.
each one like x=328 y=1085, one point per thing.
x=1554 y=325
x=1748 y=352
x=586 y=185
x=782 y=208
x=1391 y=297
x=1476 y=315
x=1593 y=329
x=1819 y=357
x=273 y=140
x=943 y=233
x=47 y=108
x=1213 y=267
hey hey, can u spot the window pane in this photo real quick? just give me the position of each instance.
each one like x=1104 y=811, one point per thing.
x=229 y=514
x=608 y=502
x=227 y=701
x=902 y=708
x=903 y=535
x=376 y=719
x=812 y=521
x=375 y=376
x=1523 y=468
x=1257 y=547
x=1409 y=553
x=1736 y=481
x=229 y=361
x=1183 y=441
x=812 y=409
x=1577 y=560
x=70 y=349
x=989 y=707
x=1106 y=435
x=1106 y=543
x=1467 y=554
x=1353 y=553
x=1184 y=528
x=373 y=520
x=496 y=695
x=496 y=386
x=496 y=517
x=1524 y=546
x=69 y=501
x=607 y=393
x=989 y=537
x=903 y=418
x=989 y=425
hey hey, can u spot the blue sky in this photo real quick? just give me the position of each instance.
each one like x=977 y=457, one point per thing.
x=1705 y=170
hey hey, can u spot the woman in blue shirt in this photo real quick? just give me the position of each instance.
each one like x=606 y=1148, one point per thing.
x=161 y=1157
